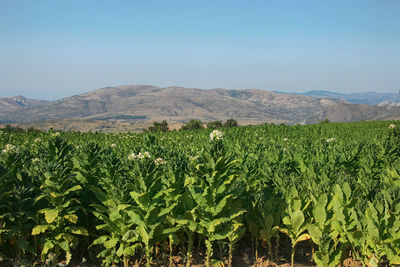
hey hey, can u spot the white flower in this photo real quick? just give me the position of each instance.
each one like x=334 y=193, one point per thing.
x=392 y=126
x=132 y=156
x=10 y=149
x=159 y=161
x=330 y=139
x=217 y=135
x=113 y=145
x=139 y=156
x=285 y=139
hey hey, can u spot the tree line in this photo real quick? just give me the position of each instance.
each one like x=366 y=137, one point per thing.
x=193 y=124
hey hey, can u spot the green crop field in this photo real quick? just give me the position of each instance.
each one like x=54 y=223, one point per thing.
x=331 y=189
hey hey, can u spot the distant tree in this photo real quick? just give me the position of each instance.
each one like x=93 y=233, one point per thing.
x=214 y=124
x=231 y=123
x=193 y=125
x=33 y=130
x=11 y=129
x=159 y=126
x=325 y=121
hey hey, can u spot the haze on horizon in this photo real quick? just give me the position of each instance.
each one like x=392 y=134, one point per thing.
x=54 y=49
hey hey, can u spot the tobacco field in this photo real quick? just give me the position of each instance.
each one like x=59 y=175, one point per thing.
x=147 y=198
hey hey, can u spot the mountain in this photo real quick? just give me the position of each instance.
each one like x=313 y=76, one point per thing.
x=12 y=104
x=18 y=102
x=146 y=103
x=176 y=104
x=370 y=98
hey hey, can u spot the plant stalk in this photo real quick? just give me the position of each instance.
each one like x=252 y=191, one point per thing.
x=190 y=247
x=230 y=254
x=209 y=252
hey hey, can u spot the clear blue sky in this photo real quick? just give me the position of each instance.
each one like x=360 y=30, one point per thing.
x=53 y=49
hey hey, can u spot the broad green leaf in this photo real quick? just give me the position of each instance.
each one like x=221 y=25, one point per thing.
x=287 y=221
x=72 y=218
x=72 y=189
x=319 y=213
x=303 y=237
x=221 y=205
x=130 y=251
x=315 y=233
x=346 y=190
x=123 y=206
x=110 y=243
x=50 y=214
x=54 y=194
x=143 y=234
x=129 y=235
x=321 y=259
x=68 y=257
x=269 y=221
x=38 y=229
x=297 y=219
x=120 y=250
x=100 y=240
x=78 y=230
x=296 y=204
x=47 y=246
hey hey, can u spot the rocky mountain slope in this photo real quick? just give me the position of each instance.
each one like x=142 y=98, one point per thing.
x=145 y=103
x=12 y=104
x=370 y=98
x=19 y=102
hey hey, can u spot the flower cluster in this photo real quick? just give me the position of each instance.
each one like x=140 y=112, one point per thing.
x=10 y=149
x=160 y=161
x=216 y=135
x=330 y=139
x=113 y=145
x=139 y=156
x=392 y=126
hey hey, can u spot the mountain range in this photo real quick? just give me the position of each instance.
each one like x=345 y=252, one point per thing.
x=146 y=103
x=370 y=98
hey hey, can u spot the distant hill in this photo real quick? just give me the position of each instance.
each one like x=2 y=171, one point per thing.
x=370 y=98
x=12 y=104
x=146 y=103
x=18 y=102
x=176 y=104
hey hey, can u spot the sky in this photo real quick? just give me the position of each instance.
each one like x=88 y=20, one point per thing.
x=54 y=49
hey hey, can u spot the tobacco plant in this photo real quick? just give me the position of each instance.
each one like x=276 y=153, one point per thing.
x=57 y=217
x=295 y=223
x=329 y=251
x=217 y=213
